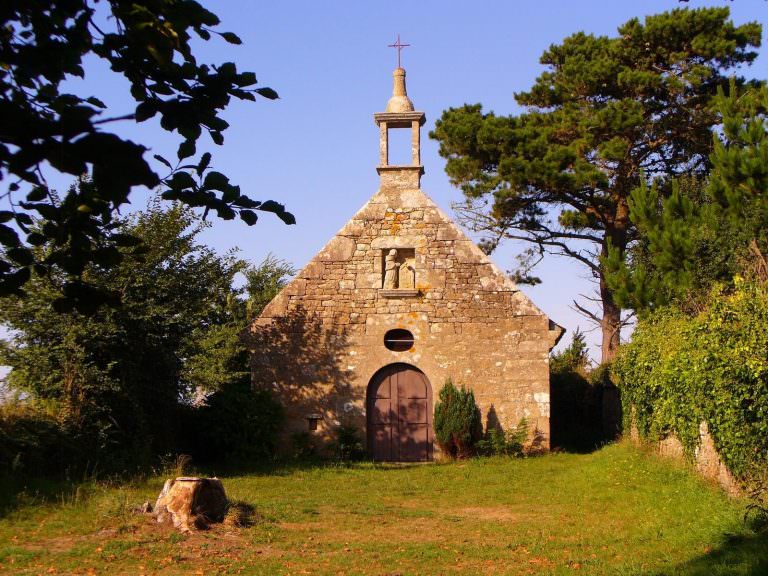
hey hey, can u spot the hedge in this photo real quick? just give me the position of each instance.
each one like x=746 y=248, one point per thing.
x=679 y=371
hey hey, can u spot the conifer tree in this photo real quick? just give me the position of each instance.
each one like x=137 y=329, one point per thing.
x=605 y=116
x=457 y=422
x=699 y=235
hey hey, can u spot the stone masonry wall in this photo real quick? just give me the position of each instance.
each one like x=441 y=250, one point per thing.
x=319 y=342
x=706 y=460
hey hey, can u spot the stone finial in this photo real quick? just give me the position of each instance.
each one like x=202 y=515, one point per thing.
x=399 y=101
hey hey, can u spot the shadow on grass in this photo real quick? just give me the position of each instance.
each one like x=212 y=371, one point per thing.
x=745 y=555
x=17 y=492
x=21 y=491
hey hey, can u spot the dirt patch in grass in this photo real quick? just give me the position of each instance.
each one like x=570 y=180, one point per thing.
x=302 y=526
x=58 y=544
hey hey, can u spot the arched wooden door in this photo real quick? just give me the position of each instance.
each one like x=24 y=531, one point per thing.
x=399 y=414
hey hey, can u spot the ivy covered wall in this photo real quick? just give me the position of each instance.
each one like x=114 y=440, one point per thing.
x=679 y=371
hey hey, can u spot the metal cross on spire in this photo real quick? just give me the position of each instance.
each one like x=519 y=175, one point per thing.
x=399 y=47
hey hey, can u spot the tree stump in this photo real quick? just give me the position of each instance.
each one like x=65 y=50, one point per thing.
x=191 y=503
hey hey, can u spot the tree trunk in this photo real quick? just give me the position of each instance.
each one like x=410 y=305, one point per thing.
x=610 y=397
x=615 y=235
x=610 y=324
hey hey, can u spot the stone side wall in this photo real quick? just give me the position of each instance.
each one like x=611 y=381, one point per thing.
x=706 y=460
x=322 y=339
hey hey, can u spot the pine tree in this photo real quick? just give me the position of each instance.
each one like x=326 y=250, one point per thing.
x=606 y=115
x=706 y=233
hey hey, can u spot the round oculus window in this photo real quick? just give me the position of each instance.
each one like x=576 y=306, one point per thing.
x=398 y=340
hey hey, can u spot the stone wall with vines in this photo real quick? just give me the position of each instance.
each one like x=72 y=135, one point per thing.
x=679 y=371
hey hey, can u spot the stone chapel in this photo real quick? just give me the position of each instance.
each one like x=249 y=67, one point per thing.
x=399 y=301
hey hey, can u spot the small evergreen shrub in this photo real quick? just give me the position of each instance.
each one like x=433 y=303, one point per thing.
x=457 y=421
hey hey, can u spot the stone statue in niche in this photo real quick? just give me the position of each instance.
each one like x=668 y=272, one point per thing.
x=399 y=270
x=391 y=270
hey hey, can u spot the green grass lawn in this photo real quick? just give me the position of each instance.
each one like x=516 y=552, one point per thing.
x=615 y=511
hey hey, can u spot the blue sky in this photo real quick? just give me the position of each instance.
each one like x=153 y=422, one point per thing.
x=316 y=148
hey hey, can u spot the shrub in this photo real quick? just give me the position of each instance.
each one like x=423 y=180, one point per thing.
x=33 y=441
x=576 y=399
x=457 y=421
x=45 y=438
x=304 y=447
x=756 y=511
x=574 y=358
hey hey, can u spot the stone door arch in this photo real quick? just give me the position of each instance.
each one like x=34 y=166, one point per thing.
x=399 y=414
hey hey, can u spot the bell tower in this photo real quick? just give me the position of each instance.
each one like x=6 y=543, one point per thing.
x=399 y=115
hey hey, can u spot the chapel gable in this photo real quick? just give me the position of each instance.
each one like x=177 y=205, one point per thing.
x=399 y=301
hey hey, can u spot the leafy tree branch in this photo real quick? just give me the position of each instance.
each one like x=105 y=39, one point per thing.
x=43 y=44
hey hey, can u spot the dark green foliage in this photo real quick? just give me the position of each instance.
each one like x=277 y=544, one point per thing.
x=574 y=358
x=44 y=44
x=120 y=380
x=576 y=412
x=680 y=371
x=220 y=355
x=739 y=181
x=457 y=421
x=576 y=400
x=33 y=442
x=303 y=445
x=605 y=116
x=116 y=373
x=263 y=282
x=702 y=232
x=236 y=425
x=757 y=509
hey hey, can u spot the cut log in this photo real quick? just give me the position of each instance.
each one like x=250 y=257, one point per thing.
x=191 y=503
